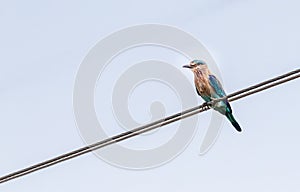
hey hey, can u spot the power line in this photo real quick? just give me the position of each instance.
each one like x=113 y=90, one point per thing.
x=154 y=125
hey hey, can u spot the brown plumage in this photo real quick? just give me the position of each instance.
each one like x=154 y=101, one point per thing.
x=209 y=88
x=201 y=81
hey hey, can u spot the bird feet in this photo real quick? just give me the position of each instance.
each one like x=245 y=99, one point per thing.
x=206 y=105
x=214 y=102
x=210 y=104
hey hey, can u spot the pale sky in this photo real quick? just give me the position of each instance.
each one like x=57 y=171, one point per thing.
x=44 y=42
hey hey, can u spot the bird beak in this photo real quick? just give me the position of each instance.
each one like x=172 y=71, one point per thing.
x=187 y=66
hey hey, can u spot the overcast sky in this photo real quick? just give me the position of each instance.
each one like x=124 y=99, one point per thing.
x=44 y=42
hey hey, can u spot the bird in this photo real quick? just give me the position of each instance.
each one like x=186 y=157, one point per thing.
x=210 y=89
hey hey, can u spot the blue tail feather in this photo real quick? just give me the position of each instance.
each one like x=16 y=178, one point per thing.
x=233 y=121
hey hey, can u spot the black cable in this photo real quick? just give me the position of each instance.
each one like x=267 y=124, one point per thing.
x=154 y=125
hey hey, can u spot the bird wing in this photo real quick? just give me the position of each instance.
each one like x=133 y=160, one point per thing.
x=216 y=85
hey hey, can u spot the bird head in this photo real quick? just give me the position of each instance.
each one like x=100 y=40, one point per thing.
x=195 y=64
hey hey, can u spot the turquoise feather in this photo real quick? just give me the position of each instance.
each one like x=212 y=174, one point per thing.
x=209 y=88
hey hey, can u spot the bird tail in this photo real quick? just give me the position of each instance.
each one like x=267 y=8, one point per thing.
x=233 y=121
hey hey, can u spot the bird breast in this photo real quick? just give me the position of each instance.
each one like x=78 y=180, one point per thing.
x=202 y=83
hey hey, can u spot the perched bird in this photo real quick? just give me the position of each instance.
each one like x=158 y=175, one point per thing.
x=210 y=89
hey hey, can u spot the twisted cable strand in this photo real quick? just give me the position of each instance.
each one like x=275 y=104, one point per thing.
x=154 y=125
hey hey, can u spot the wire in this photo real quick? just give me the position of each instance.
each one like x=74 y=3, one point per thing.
x=154 y=125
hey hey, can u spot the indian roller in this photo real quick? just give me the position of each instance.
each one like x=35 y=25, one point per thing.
x=210 y=89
